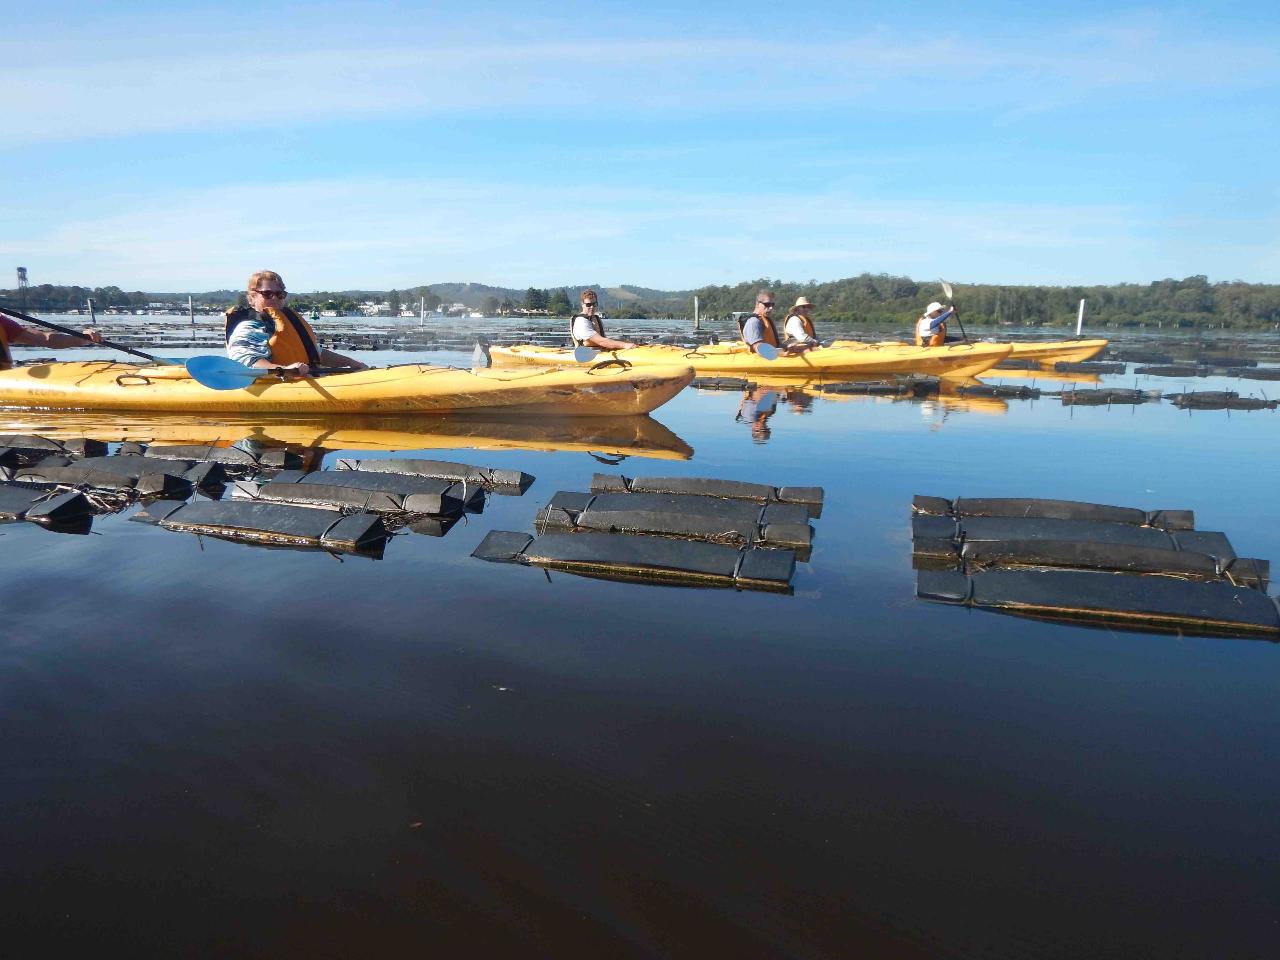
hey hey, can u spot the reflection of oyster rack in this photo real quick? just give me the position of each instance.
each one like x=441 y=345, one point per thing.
x=678 y=530
x=1081 y=561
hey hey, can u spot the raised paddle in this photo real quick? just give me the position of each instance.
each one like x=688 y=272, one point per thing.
x=946 y=289
x=764 y=350
x=223 y=373
x=76 y=333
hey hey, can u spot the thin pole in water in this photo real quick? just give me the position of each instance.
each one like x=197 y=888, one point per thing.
x=93 y=317
x=1080 y=318
x=191 y=310
x=696 y=323
x=422 y=311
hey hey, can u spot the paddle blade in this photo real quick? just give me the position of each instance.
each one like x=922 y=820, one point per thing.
x=946 y=290
x=480 y=359
x=585 y=354
x=767 y=351
x=222 y=373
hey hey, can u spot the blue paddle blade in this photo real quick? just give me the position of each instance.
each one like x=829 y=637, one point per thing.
x=767 y=351
x=585 y=354
x=223 y=373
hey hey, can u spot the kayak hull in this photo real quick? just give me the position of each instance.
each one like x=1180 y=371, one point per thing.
x=845 y=362
x=1041 y=351
x=409 y=388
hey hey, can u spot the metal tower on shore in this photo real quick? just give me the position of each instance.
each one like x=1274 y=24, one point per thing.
x=22 y=289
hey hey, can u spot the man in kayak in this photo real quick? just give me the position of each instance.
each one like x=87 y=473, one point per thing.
x=268 y=334
x=13 y=333
x=798 y=327
x=587 y=327
x=931 y=329
x=758 y=328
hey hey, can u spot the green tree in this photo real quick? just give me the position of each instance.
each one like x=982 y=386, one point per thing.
x=558 y=304
x=491 y=306
x=535 y=299
x=393 y=300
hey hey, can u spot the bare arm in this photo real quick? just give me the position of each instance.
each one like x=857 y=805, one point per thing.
x=55 y=341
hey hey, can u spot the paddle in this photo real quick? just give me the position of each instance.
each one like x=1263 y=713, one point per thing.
x=76 y=333
x=764 y=350
x=223 y=373
x=946 y=289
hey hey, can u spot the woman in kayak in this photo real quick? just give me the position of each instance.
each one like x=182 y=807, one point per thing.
x=268 y=334
x=798 y=327
x=13 y=333
x=587 y=327
x=931 y=329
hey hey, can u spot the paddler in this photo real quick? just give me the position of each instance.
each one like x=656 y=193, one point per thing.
x=931 y=329
x=798 y=327
x=587 y=326
x=758 y=328
x=269 y=334
x=15 y=334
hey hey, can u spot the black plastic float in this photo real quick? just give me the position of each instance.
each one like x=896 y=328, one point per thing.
x=501 y=481
x=271 y=524
x=366 y=490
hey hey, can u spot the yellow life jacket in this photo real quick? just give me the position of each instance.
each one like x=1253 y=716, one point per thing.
x=292 y=341
x=770 y=331
x=596 y=322
x=6 y=358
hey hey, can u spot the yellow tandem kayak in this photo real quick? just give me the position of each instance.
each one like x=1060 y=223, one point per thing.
x=408 y=388
x=849 y=361
x=1041 y=351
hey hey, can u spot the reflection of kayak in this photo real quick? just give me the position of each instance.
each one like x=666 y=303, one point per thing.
x=413 y=387
x=640 y=436
x=1042 y=351
x=1041 y=376
x=851 y=361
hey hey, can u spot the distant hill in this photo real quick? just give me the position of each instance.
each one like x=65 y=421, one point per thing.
x=1192 y=302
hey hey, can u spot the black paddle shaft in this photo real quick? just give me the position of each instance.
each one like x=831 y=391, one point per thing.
x=76 y=333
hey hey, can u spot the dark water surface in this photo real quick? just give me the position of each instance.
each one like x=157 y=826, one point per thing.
x=212 y=749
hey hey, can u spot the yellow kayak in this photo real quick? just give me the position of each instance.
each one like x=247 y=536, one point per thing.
x=851 y=361
x=415 y=387
x=635 y=436
x=1042 y=351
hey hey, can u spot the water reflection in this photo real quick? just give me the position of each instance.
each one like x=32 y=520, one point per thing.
x=613 y=437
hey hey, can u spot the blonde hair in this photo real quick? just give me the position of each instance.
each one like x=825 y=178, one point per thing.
x=261 y=275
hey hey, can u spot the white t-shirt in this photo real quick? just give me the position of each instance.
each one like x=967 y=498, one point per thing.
x=794 y=329
x=584 y=329
x=928 y=326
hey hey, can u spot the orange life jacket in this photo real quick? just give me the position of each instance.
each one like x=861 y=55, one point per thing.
x=293 y=340
x=770 y=331
x=938 y=339
x=6 y=358
x=596 y=322
x=805 y=322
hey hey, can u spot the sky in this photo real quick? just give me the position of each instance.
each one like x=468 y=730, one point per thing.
x=181 y=146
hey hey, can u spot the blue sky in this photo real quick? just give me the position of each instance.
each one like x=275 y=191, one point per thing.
x=182 y=146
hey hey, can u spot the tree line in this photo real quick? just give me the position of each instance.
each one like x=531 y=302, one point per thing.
x=865 y=299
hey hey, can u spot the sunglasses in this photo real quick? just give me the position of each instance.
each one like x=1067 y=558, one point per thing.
x=272 y=294
x=767 y=303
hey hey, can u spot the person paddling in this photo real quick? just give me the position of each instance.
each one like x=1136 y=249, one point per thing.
x=931 y=329
x=15 y=334
x=587 y=326
x=798 y=327
x=269 y=334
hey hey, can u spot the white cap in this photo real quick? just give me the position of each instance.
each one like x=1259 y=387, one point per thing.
x=933 y=306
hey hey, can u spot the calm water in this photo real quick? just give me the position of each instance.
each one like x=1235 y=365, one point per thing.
x=218 y=750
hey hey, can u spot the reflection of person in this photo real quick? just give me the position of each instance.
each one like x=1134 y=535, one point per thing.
x=931 y=329
x=587 y=327
x=800 y=401
x=798 y=326
x=13 y=333
x=269 y=334
x=757 y=406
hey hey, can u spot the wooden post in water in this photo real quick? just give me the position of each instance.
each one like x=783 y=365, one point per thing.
x=1080 y=319
x=696 y=324
x=422 y=311
x=93 y=317
x=191 y=310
